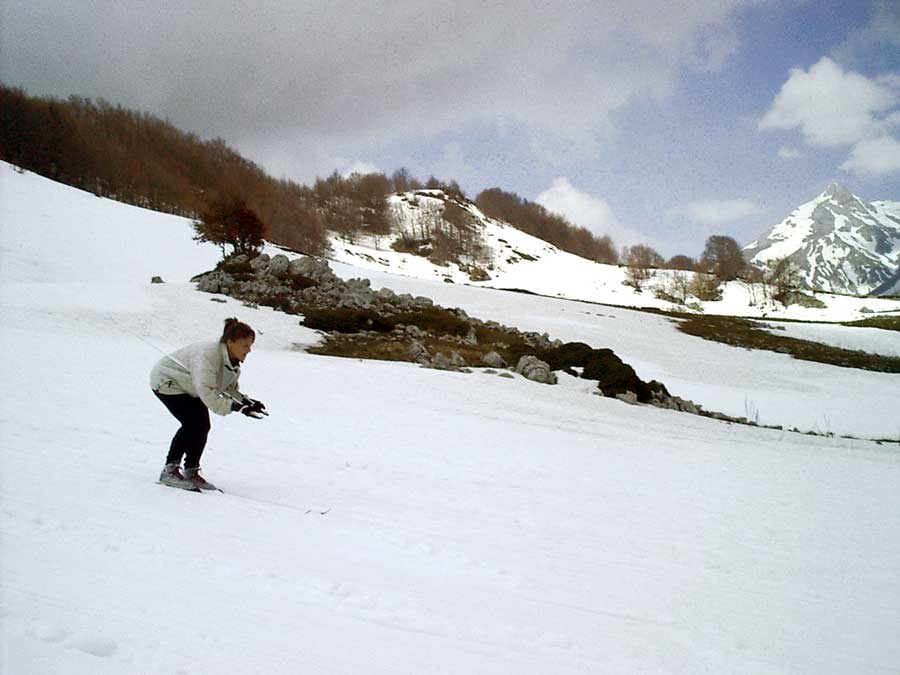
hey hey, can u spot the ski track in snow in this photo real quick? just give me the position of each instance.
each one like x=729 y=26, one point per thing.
x=478 y=524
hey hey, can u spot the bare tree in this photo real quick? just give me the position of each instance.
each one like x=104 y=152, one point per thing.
x=723 y=257
x=640 y=261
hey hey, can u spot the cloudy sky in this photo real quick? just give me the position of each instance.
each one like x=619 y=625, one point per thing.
x=649 y=120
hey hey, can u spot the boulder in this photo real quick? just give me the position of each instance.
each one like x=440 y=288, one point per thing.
x=532 y=368
x=494 y=360
x=419 y=352
x=441 y=362
x=260 y=262
x=278 y=265
x=629 y=397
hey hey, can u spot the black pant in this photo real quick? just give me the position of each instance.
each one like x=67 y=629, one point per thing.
x=190 y=440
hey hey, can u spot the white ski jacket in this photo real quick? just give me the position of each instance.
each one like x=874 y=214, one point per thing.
x=202 y=370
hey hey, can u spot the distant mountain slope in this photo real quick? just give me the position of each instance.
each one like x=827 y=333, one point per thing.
x=891 y=287
x=497 y=255
x=841 y=243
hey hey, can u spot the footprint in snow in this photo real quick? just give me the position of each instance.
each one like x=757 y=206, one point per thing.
x=48 y=633
x=99 y=647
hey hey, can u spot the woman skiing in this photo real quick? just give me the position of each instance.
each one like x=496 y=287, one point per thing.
x=194 y=380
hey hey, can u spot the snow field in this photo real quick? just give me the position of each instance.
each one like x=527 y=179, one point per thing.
x=478 y=524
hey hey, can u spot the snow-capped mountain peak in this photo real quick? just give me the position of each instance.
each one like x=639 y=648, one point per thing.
x=841 y=243
x=839 y=194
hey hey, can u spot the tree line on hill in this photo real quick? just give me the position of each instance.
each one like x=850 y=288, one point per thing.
x=140 y=159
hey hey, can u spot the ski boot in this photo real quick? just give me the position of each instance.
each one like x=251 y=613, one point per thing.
x=193 y=475
x=171 y=476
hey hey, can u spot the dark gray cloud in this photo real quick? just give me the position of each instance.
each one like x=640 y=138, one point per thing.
x=300 y=84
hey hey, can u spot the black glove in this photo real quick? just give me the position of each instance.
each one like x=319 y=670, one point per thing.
x=253 y=408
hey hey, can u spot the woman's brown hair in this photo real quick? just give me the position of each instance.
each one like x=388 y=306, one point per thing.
x=236 y=330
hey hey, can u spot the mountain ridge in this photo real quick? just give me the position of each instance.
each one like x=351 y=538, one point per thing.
x=840 y=243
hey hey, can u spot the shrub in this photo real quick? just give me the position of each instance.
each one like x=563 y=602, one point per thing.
x=229 y=266
x=705 y=287
x=613 y=375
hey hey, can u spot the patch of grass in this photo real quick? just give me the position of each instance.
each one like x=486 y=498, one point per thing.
x=885 y=322
x=434 y=320
x=744 y=333
x=385 y=349
x=362 y=347
x=347 y=320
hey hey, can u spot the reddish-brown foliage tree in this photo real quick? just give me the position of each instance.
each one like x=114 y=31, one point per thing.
x=228 y=221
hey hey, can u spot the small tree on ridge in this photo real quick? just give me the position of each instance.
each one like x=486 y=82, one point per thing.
x=228 y=221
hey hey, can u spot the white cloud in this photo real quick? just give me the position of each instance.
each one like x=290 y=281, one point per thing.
x=587 y=211
x=787 y=152
x=874 y=157
x=714 y=212
x=834 y=107
x=830 y=106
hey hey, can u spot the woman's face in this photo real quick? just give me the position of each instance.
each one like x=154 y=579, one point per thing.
x=238 y=349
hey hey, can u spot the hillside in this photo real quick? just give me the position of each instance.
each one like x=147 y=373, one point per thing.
x=516 y=260
x=476 y=524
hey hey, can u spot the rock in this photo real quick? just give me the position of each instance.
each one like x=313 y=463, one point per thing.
x=629 y=397
x=415 y=332
x=385 y=295
x=260 y=262
x=278 y=265
x=494 y=360
x=441 y=362
x=532 y=368
x=214 y=282
x=313 y=268
x=508 y=376
x=157 y=280
x=417 y=350
x=222 y=300
x=685 y=406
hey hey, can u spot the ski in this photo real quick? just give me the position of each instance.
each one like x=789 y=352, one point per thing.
x=306 y=512
x=192 y=488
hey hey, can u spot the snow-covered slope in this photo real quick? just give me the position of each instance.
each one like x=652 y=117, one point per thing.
x=520 y=261
x=840 y=243
x=477 y=524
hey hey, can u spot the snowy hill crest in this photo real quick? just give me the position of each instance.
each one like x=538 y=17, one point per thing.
x=841 y=243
